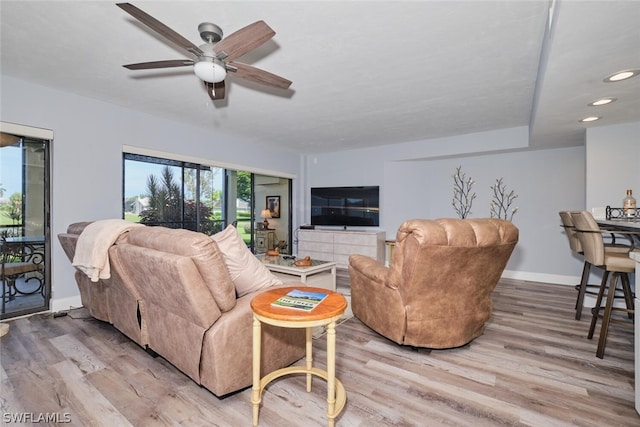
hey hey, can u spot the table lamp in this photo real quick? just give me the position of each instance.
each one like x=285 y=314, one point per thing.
x=266 y=213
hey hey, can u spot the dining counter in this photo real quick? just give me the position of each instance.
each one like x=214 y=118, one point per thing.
x=621 y=224
x=633 y=226
x=624 y=226
x=636 y=335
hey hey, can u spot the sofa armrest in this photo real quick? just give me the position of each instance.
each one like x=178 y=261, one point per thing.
x=227 y=360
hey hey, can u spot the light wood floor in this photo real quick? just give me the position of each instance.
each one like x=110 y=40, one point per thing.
x=533 y=366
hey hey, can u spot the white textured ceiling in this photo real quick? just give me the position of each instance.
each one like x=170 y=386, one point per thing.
x=364 y=73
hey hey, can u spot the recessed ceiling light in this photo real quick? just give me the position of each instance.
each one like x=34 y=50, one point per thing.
x=590 y=119
x=601 y=101
x=621 y=75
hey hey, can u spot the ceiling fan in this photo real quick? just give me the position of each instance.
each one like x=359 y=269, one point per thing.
x=214 y=59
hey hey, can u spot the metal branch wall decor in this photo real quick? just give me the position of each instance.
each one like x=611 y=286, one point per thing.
x=502 y=201
x=462 y=195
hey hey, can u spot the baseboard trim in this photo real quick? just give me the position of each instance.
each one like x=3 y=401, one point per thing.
x=64 y=304
x=68 y=303
x=589 y=300
x=541 y=277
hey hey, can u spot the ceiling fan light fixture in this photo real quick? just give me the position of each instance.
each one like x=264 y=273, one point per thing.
x=211 y=71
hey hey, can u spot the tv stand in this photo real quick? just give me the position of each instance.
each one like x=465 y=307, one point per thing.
x=337 y=245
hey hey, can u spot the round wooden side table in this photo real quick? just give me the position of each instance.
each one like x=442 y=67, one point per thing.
x=325 y=314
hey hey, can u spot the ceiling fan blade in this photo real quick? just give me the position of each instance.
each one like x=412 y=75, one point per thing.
x=159 y=64
x=245 y=39
x=257 y=75
x=216 y=91
x=220 y=90
x=160 y=28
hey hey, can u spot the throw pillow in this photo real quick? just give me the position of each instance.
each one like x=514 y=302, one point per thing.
x=246 y=271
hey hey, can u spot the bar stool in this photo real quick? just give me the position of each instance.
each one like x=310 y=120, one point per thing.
x=574 y=244
x=619 y=264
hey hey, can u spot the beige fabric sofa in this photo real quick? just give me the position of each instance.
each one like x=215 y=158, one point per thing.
x=436 y=292
x=171 y=293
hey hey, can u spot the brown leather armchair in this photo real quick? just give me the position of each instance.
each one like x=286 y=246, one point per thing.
x=436 y=292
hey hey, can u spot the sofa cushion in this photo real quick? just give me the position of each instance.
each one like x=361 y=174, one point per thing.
x=246 y=271
x=203 y=252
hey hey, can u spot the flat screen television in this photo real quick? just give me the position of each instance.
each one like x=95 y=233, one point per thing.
x=345 y=206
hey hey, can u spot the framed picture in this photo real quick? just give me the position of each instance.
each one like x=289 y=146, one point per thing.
x=273 y=204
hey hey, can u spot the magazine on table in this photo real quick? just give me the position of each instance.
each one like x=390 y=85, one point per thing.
x=300 y=300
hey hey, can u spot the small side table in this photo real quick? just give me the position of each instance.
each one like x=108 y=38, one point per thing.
x=326 y=313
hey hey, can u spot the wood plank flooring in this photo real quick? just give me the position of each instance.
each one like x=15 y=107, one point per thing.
x=533 y=366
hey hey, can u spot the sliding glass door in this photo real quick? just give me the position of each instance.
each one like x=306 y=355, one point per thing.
x=24 y=221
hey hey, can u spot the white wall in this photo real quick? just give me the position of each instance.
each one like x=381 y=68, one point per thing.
x=415 y=177
x=87 y=158
x=613 y=164
x=546 y=182
x=612 y=167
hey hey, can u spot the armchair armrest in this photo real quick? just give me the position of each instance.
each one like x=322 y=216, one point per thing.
x=376 y=299
x=372 y=270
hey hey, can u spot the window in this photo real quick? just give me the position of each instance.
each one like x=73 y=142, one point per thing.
x=173 y=193
x=185 y=194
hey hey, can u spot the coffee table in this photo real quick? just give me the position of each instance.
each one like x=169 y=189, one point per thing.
x=326 y=313
x=321 y=274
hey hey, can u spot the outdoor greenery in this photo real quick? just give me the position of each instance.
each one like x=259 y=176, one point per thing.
x=4 y=218
x=244 y=186
x=170 y=208
x=11 y=212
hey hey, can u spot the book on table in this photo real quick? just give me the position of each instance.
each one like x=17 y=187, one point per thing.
x=300 y=300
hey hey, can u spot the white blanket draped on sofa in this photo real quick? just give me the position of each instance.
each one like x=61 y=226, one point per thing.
x=92 y=250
